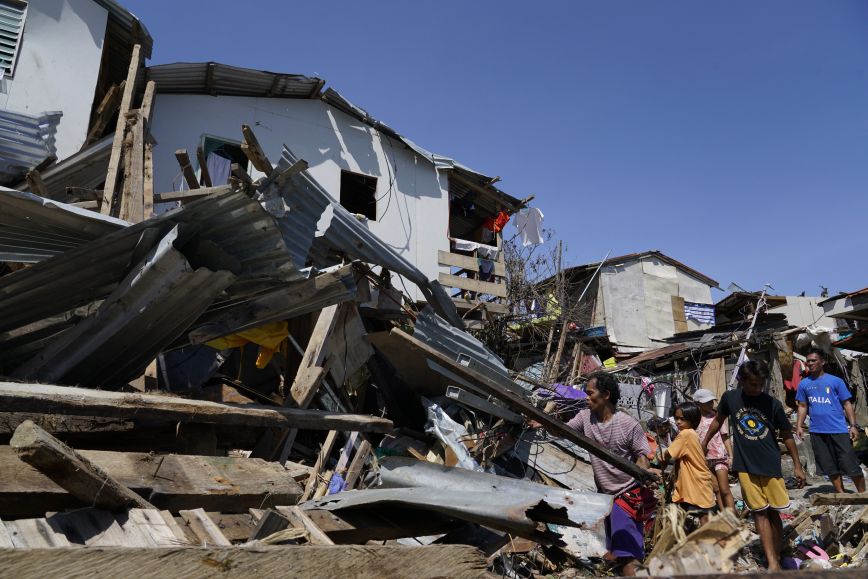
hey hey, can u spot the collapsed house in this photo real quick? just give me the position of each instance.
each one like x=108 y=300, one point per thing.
x=234 y=336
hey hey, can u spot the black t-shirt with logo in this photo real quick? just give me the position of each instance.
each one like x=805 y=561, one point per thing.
x=754 y=422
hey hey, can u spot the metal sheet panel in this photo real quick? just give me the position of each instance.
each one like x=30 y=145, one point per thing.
x=193 y=78
x=25 y=141
x=33 y=228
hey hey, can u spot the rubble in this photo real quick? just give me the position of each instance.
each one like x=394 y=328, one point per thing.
x=235 y=384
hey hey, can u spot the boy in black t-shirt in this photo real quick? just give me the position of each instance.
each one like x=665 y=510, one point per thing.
x=755 y=419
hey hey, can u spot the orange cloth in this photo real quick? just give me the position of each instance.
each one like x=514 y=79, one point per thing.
x=496 y=224
x=694 y=484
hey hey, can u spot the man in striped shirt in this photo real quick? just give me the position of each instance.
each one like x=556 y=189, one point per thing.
x=621 y=434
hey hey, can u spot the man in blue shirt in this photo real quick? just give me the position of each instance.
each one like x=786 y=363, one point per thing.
x=826 y=399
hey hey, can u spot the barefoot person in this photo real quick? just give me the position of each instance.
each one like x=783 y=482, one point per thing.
x=755 y=420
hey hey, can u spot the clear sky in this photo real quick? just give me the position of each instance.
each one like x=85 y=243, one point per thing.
x=731 y=135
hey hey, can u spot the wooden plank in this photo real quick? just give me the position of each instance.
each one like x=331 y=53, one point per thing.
x=107 y=106
x=92 y=527
x=462 y=305
x=37 y=185
x=295 y=168
x=348 y=348
x=253 y=150
x=204 y=528
x=309 y=561
x=16 y=397
x=483 y=287
x=34 y=534
x=241 y=174
x=192 y=194
x=5 y=538
x=467 y=262
x=203 y=167
x=321 y=459
x=839 y=499
x=69 y=469
x=303 y=388
x=552 y=425
x=678 y=314
x=86 y=204
x=114 y=166
x=356 y=465
x=186 y=169
x=147 y=108
x=133 y=201
x=300 y=520
x=271 y=522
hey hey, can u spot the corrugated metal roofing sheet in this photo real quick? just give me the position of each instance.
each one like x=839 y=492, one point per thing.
x=33 y=228
x=194 y=78
x=25 y=141
x=87 y=169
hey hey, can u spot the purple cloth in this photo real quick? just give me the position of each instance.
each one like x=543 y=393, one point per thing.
x=563 y=391
x=624 y=535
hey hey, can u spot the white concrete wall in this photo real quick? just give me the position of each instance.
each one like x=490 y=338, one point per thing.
x=412 y=218
x=804 y=311
x=58 y=66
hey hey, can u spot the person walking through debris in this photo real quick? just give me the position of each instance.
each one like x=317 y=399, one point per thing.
x=693 y=488
x=755 y=420
x=826 y=400
x=620 y=433
x=719 y=455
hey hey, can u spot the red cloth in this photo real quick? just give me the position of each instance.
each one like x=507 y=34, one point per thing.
x=496 y=224
x=798 y=371
x=638 y=502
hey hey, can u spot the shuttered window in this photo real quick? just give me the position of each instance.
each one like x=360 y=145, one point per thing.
x=12 y=15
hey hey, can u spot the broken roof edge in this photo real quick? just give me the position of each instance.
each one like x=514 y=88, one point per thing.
x=130 y=22
x=651 y=252
x=216 y=79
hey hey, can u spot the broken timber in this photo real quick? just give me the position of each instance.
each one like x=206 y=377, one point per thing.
x=82 y=478
x=172 y=482
x=839 y=499
x=82 y=401
x=552 y=425
x=312 y=561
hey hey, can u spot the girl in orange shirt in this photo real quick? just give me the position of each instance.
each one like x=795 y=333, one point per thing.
x=694 y=491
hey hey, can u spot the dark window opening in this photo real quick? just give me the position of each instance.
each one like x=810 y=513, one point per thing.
x=220 y=155
x=359 y=194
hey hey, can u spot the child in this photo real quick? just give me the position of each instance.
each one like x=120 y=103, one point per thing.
x=718 y=455
x=659 y=439
x=693 y=490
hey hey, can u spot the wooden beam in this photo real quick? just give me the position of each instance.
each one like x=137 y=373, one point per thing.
x=147 y=107
x=241 y=174
x=482 y=287
x=493 y=195
x=313 y=561
x=467 y=262
x=169 y=481
x=37 y=185
x=192 y=194
x=462 y=305
x=209 y=78
x=297 y=167
x=132 y=203
x=254 y=152
x=321 y=459
x=187 y=169
x=299 y=519
x=203 y=166
x=16 y=397
x=552 y=425
x=204 y=528
x=316 y=89
x=839 y=499
x=357 y=463
x=92 y=205
x=148 y=177
x=114 y=166
x=104 y=112
x=304 y=387
x=83 y=479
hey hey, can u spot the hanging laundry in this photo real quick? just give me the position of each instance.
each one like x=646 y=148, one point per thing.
x=528 y=221
x=799 y=370
x=702 y=313
x=497 y=223
x=218 y=168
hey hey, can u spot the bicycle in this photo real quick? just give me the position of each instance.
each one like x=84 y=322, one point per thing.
x=659 y=398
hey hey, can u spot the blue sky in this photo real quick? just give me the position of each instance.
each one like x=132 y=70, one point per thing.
x=731 y=135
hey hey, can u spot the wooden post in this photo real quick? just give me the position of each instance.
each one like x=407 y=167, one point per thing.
x=111 y=180
x=132 y=203
x=79 y=476
x=104 y=112
x=254 y=152
x=321 y=459
x=203 y=167
x=187 y=170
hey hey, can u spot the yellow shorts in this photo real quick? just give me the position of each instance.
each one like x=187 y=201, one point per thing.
x=762 y=492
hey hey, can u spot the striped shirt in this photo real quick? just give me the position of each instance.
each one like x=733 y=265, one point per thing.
x=621 y=435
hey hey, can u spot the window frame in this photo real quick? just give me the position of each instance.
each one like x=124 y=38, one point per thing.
x=9 y=71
